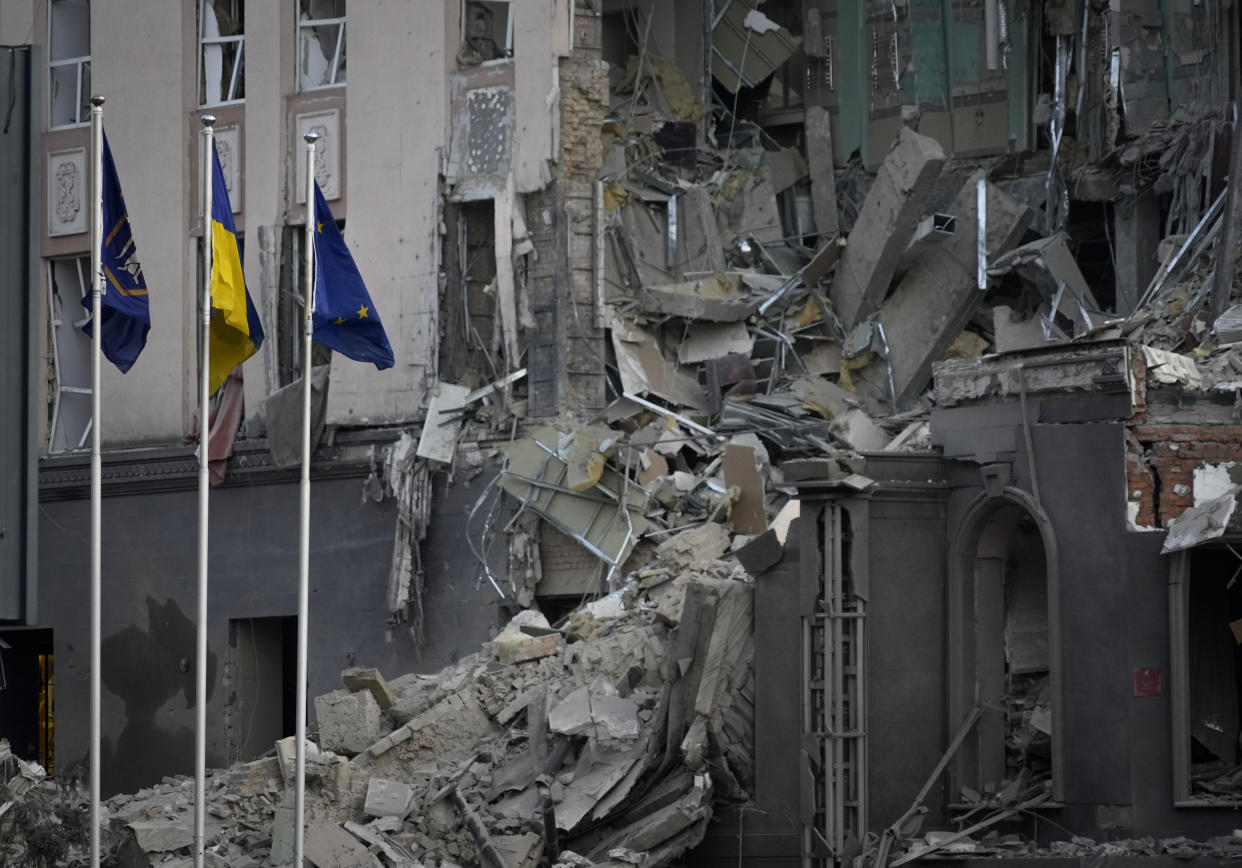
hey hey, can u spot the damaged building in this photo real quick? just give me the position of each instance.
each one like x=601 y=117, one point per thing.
x=815 y=433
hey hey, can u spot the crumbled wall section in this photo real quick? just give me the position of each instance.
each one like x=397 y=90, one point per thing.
x=584 y=104
x=1161 y=464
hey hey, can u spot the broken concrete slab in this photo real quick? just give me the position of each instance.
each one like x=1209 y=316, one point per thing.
x=387 y=798
x=705 y=341
x=1048 y=264
x=933 y=302
x=330 y=846
x=348 y=722
x=644 y=369
x=164 y=834
x=1011 y=333
x=855 y=429
x=368 y=678
x=818 y=129
x=438 y=440
x=1204 y=522
x=715 y=298
x=891 y=210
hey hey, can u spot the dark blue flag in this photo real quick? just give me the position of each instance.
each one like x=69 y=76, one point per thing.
x=345 y=319
x=124 y=312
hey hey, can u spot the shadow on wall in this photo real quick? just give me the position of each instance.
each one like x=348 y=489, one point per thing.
x=147 y=668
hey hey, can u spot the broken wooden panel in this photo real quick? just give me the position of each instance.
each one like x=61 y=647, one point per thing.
x=889 y=214
x=536 y=475
x=445 y=411
x=740 y=468
x=935 y=300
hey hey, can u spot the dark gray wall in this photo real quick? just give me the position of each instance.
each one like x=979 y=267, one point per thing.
x=1113 y=609
x=18 y=339
x=149 y=604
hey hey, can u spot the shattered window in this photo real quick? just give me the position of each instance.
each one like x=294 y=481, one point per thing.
x=69 y=397
x=69 y=62
x=321 y=44
x=487 y=31
x=1211 y=658
x=222 y=45
x=288 y=337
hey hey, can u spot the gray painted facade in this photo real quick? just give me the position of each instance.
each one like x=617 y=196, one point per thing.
x=149 y=596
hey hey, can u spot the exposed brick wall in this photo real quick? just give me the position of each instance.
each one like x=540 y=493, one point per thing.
x=1161 y=462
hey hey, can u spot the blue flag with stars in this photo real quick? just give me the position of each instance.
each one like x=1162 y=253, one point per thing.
x=124 y=312
x=345 y=319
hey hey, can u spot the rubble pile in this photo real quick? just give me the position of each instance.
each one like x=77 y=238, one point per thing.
x=604 y=740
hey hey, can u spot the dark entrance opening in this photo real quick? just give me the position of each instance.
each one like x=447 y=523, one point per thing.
x=26 y=695
x=262 y=701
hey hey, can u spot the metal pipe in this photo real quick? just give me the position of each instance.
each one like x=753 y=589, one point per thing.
x=97 y=289
x=204 y=398
x=308 y=313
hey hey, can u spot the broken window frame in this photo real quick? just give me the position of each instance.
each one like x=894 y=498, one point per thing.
x=64 y=65
x=290 y=300
x=309 y=30
x=237 y=78
x=63 y=308
x=506 y=50
x=1179 y=682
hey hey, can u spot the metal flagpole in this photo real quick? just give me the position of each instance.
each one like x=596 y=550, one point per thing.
x=308 y=311
x=200 y=690
x=97 y=289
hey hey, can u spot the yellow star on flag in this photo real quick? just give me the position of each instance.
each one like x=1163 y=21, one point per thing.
x=362 y=312
x=338 y=320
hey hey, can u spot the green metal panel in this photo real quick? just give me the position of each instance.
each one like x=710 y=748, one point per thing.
x=928 y=79
x=1019 y=62
x=854 y=83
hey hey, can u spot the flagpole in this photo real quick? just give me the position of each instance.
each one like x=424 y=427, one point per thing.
x=308 y=310
x=200 y=691
x=96 y=461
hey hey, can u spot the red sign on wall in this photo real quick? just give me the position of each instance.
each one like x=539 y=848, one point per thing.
x=1147 y=681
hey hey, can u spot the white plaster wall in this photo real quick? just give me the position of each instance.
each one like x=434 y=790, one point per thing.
x=18 y=22
x=269 y=76
x=540 y=36
x=397 y=125
x=145 y=120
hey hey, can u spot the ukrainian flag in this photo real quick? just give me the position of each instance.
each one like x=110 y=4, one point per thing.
x=236 y=333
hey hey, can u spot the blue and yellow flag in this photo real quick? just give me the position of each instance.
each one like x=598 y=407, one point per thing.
x=236 y=333
x=124 y=313
x=345 y=319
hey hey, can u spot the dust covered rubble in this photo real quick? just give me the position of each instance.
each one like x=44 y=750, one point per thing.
x=605 y=740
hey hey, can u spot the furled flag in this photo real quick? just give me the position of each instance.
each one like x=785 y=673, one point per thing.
x=236 y=333
x=124 y=311
x=345 y=319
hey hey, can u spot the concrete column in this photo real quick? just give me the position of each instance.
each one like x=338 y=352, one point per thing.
x=1136 y=234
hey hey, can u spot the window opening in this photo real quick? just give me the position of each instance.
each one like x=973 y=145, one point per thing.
x=222 y=76
x=70 y=419
x=487 y=31
x=289 y=306
x=27 y=695
x=69 y=62
x=1211 y=657
x=264 y=670
x=321 y=43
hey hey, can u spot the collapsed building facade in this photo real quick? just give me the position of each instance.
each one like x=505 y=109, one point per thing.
x=870 y=366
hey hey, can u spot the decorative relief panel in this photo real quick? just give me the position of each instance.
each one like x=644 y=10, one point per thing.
x=228 y=146
x=68 y=187
x=327 y=153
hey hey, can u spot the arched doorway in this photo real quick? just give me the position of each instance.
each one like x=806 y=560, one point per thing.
x=1004 y=651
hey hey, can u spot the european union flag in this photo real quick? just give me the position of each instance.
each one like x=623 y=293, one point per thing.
x=345 y=319
x=124 y=313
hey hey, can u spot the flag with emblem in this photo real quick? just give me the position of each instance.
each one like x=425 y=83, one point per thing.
x=345 y=318
x=124 y=312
